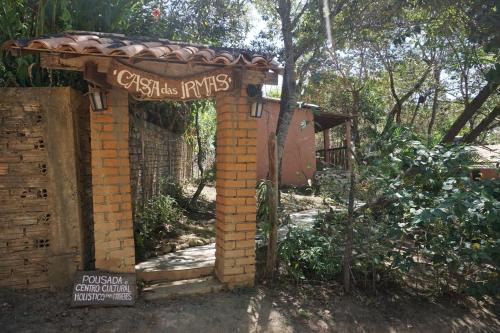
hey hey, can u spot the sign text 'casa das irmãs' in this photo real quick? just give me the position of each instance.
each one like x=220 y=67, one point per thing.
x=149 y=86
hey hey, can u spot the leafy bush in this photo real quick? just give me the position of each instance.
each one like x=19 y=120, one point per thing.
x=420 y=216
x=174 y=190
x=317 y=253
x=310 y=254
x=439 y=218
x=450 y=219
x=158 y=221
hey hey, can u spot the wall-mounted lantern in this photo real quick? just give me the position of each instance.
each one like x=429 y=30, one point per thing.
x=256 y=109
x=98 y=99
x=254 y=93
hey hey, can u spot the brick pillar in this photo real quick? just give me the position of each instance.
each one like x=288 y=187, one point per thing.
x=235 y=183
x=113 y=229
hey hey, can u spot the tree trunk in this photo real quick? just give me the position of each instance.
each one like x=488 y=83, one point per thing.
x=288 y=89
x=469 y=111
x=414 y=116
x=347 y=260
x=272 y=246
x=356 y=99
x=482 y=126
x=398 y=106
x=435 y=102
x=201 y=184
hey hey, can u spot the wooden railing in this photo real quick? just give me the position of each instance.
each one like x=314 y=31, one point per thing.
x=335 y=157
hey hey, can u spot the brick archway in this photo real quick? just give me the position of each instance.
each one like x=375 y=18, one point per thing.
x=235 y=183
x=102 y=57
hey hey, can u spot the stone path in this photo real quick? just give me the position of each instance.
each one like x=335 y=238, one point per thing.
x=304 y=219
x=193 y=257
x=203 y=256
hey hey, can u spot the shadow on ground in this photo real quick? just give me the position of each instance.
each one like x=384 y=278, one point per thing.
x=282 y=309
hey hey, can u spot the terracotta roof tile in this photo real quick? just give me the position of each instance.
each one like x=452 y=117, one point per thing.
x=116 y=45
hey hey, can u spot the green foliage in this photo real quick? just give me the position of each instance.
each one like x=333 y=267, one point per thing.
x=438 y=216
x=205 y=132
x=175 y=191
x=448 y=220
x=217 y=23
x=263 y=206
x=310 y=254
x=421 y=217
x=28 y=19
x=158 y=221
x=317 y=253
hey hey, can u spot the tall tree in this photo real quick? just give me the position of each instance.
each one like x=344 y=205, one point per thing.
x=301 y=26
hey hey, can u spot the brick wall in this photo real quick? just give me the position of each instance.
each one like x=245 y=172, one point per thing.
x=235 y=183
x=156 y=155
x=113 y=231
x=40 y=217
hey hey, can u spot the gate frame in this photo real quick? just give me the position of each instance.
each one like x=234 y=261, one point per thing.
x=236 y=157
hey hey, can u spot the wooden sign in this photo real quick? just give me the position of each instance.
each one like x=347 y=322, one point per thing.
x=149 y=86
x=102 y=288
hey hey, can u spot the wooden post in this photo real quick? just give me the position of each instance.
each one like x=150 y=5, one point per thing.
x=272 y=246
x=326 y=145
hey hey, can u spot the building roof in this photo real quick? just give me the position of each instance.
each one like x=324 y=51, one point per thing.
x=488 y=155
x=141 y=48
x=323 y=120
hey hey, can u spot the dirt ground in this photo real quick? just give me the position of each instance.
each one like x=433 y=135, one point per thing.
x=291 y=200
x=283 y=309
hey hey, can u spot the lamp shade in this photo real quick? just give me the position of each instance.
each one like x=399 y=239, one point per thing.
x=254 y=92
x=256 y=109
x=98 y=99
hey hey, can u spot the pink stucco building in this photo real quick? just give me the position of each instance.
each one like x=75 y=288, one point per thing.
x=300 y=156
x=299 y=159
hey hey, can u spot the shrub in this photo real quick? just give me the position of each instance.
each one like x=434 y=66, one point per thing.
x=158 y=220
x=317 y=253
x=421 y=217
x=310 y=254
x=449 y=221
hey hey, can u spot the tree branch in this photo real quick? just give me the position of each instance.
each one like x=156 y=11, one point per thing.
x=469 y=111
x=296 y=19
x=482 y=126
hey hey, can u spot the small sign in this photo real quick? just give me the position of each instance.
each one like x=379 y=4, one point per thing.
x=149 y=86
x=102 y=288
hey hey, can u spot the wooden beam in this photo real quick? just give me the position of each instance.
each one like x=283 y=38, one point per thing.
x=91 y=75
x=172 y=69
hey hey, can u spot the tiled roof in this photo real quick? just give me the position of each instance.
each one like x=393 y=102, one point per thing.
x=117 y=45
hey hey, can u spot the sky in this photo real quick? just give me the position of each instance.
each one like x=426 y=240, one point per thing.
x=256 y=25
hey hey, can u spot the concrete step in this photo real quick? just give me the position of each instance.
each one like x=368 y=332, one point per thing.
x=185 y=287
x=185 y=264
x=175 y=273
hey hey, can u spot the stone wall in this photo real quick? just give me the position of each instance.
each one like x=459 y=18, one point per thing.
x=156 y=155
x=40 y=216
